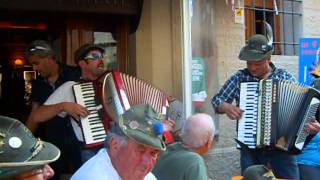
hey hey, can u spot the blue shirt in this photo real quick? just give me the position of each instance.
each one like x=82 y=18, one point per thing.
x=231 y=89
x=311 y=153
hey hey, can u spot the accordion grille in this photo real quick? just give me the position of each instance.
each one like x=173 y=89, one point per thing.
x=140 y=92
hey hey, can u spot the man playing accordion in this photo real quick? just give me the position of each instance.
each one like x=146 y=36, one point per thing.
x=62 y=102
x=257 y=53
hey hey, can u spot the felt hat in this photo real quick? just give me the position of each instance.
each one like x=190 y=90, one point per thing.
x=256 y=49
x=258 y=172
x=20 y=151
x=142 y=124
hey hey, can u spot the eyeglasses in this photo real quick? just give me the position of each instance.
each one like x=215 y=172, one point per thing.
x=94 y=56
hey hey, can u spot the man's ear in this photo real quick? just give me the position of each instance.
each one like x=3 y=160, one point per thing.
x=269 y=58
x=82 y=63
x=210 y=142
x=113 y=145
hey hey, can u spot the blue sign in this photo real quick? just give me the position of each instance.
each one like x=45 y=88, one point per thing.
x=309 y=59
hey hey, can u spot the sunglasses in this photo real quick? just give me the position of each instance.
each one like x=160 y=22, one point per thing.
x=94 y=56
x=37 y=48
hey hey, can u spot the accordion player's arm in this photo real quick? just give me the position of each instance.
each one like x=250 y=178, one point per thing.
x=222 y=101
x=46 y=112
x=232 y=111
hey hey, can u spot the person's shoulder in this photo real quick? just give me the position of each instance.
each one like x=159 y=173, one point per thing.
x=92 y=169
x=188 y=155
x=73 y=71
x=67 y=84
x=284 y=73
x=281 y=70
x=150 y=176
x=70 y=67
x=238 y=75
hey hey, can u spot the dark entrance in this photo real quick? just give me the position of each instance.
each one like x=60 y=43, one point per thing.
x=13 y=39
x=66 y=25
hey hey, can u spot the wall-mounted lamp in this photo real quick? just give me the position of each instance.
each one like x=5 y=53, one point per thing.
x=18 y=62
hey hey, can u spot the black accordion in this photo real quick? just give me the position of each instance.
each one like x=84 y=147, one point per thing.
x=275 y=112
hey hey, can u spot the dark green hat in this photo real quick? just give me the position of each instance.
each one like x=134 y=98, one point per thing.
x=256 y=49
x=20 y=151
x=258 y=172
x=142 y=124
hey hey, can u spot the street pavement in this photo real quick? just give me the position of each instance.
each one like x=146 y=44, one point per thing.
x=223 y=161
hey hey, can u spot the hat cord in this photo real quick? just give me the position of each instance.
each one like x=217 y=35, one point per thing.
x=36 y=149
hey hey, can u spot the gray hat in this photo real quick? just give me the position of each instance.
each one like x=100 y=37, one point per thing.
x=20 y=151
x=40 y=48
x=81 y=53
x=256 y=49
x=142 y=124
x=258 y=172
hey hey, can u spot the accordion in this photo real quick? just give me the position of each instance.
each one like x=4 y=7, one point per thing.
x=275 y=112
x=121 y=91
x=92 y=127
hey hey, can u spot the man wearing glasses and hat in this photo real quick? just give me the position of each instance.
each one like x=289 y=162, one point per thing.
x=257 y=53
x=133 y=146
x=22 y=156
x=62 y=102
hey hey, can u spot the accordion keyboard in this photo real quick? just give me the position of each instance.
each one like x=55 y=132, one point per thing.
x=92 y=126
x=247 y=125
x=302 y=135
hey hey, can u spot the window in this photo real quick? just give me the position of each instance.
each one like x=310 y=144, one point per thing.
x=285 y=18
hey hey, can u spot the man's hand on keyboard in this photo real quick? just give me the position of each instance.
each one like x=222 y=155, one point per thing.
x=313 y=126
x=75 y=110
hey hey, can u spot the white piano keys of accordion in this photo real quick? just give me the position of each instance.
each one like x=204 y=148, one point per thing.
x=92 y=126
x=247 y=124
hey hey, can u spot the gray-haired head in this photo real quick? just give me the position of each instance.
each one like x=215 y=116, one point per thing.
x=40 y=48
x=117 y=133
x=197 y=130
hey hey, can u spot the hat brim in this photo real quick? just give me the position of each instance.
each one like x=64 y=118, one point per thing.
x=49 y=153
x=141 y=138
x=247 y=54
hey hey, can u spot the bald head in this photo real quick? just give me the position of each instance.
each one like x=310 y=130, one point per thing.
x=197 y=130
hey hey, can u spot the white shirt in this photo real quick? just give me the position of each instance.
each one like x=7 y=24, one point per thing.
x=99 y=167
x=65 y=94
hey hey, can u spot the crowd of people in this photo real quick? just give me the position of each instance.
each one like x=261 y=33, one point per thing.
x=135 y=147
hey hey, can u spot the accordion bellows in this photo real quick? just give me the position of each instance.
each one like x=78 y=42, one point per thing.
x=120 y=91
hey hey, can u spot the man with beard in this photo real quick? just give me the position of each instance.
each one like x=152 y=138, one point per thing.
x=62 y=102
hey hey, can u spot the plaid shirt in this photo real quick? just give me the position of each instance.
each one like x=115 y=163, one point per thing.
x=231 y=89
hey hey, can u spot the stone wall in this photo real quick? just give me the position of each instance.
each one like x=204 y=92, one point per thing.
x=311 y=18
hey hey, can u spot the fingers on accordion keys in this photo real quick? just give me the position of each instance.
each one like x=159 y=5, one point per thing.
x=99 y=107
